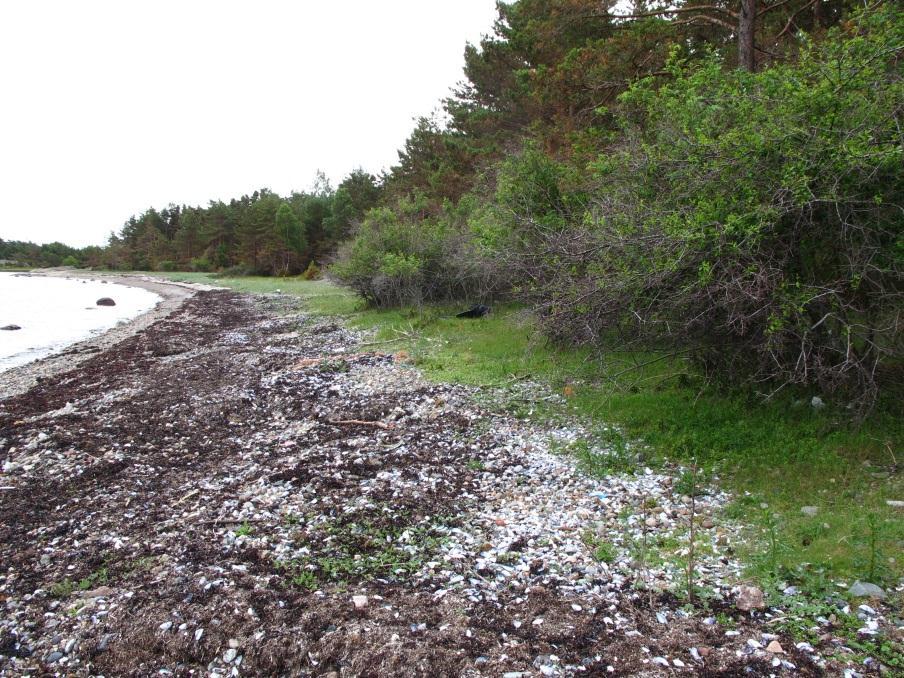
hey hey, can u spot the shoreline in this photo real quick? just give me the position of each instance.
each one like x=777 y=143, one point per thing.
x=243 y=455
x=173 y=294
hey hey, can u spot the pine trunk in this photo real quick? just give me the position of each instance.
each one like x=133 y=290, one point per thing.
x=746 y=29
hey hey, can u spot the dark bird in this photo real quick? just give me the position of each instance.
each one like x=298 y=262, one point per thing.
x=476 y=312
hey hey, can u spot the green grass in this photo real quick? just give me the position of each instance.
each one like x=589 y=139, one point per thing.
x=602 y=550
x=775 y=457
x=320 y=297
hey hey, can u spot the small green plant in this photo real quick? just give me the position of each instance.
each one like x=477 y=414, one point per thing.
x=305 y=580
x=873 y=547
x=691 y=560
x=772 y=542
x=601 y=463
x=603 y=551
x=140 y=564
x=312 y=272
x=725 y=621
x=62 y=589
x=244 y=530
x=93 y=579
x=292 y=519
x=690 y=483
x=476 y=465
x=507 y=558
x=75 y=609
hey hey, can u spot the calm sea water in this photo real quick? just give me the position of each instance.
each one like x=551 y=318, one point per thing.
x=56 y=312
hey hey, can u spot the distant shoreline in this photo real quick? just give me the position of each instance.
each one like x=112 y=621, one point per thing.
x=22 y=378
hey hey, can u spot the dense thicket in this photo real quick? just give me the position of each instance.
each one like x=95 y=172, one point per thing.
x=753 y=219
x=721 y=180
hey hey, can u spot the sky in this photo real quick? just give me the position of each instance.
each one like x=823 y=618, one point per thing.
x=110 y=107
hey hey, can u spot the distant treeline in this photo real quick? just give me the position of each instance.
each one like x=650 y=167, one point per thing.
x=16 y=253
x=261 y=233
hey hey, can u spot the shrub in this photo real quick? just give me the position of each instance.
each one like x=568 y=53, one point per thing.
x=400 y=256
x=752 y=219
x=167 y=265
x=312 y=272
x=236 y=271
x=201 y=265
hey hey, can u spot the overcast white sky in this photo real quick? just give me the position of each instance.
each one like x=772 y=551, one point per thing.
x=110 y=107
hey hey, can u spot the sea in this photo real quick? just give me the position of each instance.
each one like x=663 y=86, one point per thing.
x=55 y=312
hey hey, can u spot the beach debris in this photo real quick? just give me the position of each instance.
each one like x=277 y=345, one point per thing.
x=477 y=311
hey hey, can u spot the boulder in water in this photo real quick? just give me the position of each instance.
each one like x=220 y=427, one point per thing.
x=11 y=327
x=106 y=301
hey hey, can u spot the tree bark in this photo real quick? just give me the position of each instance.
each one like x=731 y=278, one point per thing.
x=746 y=30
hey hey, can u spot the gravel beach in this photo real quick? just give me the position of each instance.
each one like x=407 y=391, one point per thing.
x=232 y=487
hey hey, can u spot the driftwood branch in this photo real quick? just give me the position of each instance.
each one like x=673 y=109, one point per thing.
x=360 y=422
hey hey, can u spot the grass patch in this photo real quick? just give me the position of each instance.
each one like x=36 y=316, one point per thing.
x=776 y=458
x=320 y=296
x=603 y=551
x=94 y=579
x=62 y=589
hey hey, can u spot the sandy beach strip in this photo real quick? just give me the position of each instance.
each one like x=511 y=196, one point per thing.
x=173 y=294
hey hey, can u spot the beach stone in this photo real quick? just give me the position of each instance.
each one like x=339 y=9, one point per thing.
x=54 y=657
x=105 y=301
x=809 y=510
x=360 y=602
x=12 y=467
x=817 y=403
x=10 y=328
x=861 y=589
x=750 y=598
x=775 y=648
x=99 y=592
